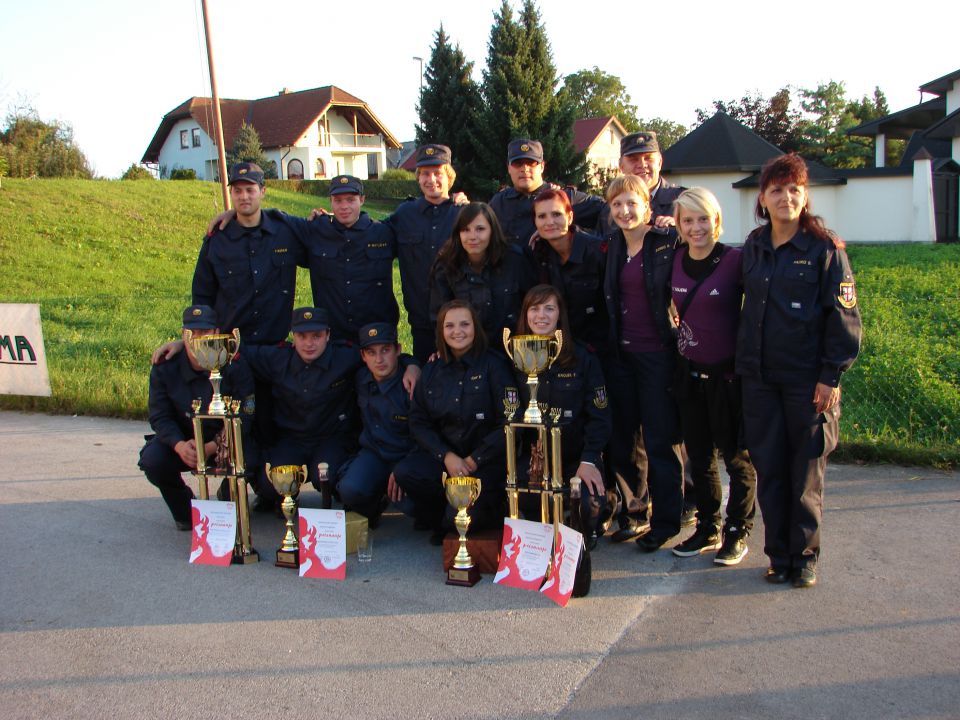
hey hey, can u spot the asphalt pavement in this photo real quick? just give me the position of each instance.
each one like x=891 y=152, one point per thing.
x=102 y=616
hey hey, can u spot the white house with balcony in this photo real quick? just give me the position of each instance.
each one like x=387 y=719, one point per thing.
x=310 y=134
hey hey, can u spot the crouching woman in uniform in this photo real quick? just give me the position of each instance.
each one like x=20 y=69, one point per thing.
x=707 y=295
x=456 y=420
x=575 y=392
x=799 y=331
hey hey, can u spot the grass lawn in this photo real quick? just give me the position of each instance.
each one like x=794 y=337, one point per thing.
x=110 y=263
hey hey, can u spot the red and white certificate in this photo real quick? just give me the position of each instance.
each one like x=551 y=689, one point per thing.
x=323 y=543
x=524 y=554
x=214 y=532
x=563 y=569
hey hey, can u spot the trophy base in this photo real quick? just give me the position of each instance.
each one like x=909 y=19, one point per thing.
x=467 y=577
x=248 y=559
x=288 y=559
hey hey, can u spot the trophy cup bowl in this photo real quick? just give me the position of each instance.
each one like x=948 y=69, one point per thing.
x=286 y=480
x=462 y=491
x=213 y=352
x=532 y=354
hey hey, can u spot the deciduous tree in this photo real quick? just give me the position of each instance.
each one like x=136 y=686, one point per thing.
x=33 y=147
x=595 y=93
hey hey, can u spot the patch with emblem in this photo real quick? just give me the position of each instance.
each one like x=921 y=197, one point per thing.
x=344 y=181
x=524 y=147
x=848 y=295
x=249 y=405
x=197 y=311
x=429 y=151
x=372 y=332
x=307 y=315
x=243 y=171
x=600 y=397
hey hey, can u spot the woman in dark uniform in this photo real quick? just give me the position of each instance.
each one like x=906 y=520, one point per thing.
x=477 y=265
x=573 y=262
x=707 y=296
x=799 y=331
x=574 y=388
x=642 y=335
x=456 y=419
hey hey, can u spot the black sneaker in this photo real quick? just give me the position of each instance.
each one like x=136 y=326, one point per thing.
x=652 y=541
x=705 y=538
x=734 y=548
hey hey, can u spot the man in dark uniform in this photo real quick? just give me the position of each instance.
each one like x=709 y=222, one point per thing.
x=351 y=262
x=385 y=438
x=421 y=227
x=173 y=387
x=247 y=271
x=640 y=155
x=513 y=206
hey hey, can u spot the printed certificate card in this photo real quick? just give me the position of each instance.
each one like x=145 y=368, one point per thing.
x=524 y=554
x=214 y=532
x=564 y=568
x=323 y=543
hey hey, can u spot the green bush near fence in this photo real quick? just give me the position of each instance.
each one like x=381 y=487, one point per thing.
x=110 y=263
x=387 y=189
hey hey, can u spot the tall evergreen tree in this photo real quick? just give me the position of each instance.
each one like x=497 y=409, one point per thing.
x=247 y=148
x=520 y=100
x=449 y=103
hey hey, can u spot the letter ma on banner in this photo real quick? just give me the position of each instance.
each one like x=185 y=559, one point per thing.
x=23 y=362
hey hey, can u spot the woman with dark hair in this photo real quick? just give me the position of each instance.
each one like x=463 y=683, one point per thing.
x=799 y=331
x=456 y=419
x=643 y=336
x=573 y=388
x=707 y=296
x=477 y=265
x=573 y=262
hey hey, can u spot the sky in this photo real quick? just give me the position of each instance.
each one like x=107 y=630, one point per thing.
x=113 y=68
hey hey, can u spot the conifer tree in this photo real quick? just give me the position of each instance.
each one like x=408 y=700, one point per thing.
x=247 y=148
x=520 y=99
x=449 y=103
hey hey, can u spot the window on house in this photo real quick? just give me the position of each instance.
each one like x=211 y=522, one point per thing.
x=196 y=137
x=295 y=170
x=184 y=139
x=321 y=170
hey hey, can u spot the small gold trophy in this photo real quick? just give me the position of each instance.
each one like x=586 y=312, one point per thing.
x=531 y=355
x=286 y=480
x=462 y=492
x=212 y=353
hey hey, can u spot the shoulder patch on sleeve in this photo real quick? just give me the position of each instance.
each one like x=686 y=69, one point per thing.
x=848 y=295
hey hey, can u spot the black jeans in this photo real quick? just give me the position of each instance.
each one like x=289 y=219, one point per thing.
x=710 y=417
x=639 y=386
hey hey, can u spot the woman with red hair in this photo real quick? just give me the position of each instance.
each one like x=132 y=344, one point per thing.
x=799 y=331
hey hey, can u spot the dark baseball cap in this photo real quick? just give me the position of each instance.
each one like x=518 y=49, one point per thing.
x=433 y=155
x=639 y=142
x=245 y=172
x=309 y=319
x=342 y=184
x=524 y=148
x=200 y=317
x=377 y=334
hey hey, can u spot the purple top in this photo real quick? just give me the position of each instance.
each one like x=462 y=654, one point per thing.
x=638 y=331
x=708 y=329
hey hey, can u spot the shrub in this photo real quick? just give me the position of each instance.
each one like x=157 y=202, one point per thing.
x=398 y=174
x=136 y=172
x=179 y=173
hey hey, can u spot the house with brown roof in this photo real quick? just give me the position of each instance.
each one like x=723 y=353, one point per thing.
x=310 y=134
x=599 y=139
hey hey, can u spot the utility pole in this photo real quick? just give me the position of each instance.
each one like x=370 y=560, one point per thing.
x=217 y=121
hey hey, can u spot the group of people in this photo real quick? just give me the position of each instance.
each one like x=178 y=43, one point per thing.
x=676 y=349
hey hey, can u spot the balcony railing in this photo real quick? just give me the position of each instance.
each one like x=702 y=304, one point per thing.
x=350 y=140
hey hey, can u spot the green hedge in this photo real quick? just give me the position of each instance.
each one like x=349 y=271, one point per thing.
x=373 y=189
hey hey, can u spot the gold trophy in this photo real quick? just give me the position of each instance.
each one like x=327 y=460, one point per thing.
x=532 y=355
x=286 y=480
x=462 y=492
x=212 y=353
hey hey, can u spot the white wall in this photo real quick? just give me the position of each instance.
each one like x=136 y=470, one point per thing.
x=877 y=209
x=195 y=158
